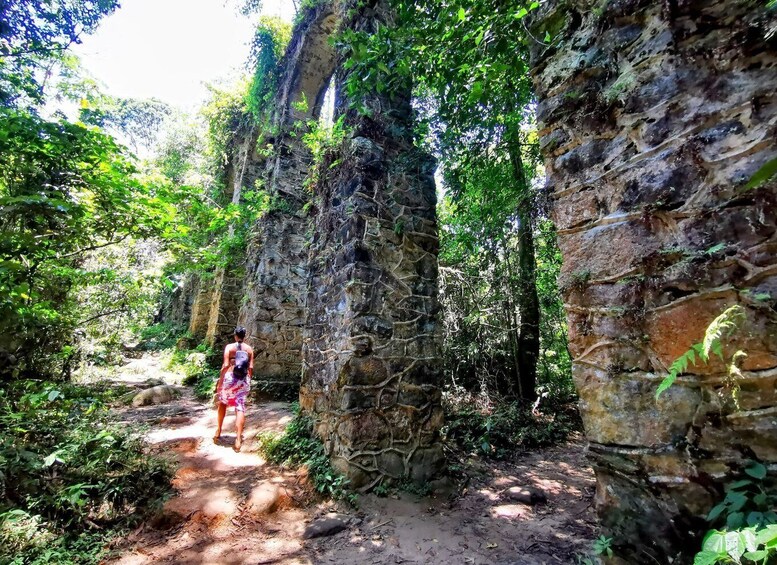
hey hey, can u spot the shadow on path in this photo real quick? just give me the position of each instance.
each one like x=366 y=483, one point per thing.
x=234 y=508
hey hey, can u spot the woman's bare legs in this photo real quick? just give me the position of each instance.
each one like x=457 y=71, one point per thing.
x=240 y=419
x=222 y=413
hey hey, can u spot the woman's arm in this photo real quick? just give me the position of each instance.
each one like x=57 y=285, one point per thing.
x=224 y=367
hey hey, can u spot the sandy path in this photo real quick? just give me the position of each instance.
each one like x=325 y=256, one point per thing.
x=234 y=508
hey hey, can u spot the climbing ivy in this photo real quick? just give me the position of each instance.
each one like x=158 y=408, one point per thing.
x=270 y=41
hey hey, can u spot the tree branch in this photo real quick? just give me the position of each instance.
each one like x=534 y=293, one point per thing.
x=102 y=315
x=91 y=248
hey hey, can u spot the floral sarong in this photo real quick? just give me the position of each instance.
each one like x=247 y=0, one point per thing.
x=234 y=391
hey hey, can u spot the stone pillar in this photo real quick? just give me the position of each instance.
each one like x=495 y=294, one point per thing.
x=228 y=280
x=203 y=288
x=371 y=371
x=224 y=307
x=274 y=308
x=653 y=117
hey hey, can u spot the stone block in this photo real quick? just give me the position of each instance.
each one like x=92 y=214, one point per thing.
x=621 y=409
x=392 y=463
x=364 y=431
x=426 y=463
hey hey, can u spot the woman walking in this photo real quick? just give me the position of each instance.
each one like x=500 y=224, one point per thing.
x=234 y=384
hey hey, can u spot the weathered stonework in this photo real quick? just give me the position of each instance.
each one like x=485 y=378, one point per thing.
x=343 y=277
x=273 y=310
x=653 y=117
x=217 y=304
x=204 y=289
x=371 y=371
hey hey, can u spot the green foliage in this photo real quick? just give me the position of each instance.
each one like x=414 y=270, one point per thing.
x=382 y=489
x=163 y=335
x=720 y=328
x=480 y=279
x=138 y=121
x=419 y=489
x=499 y=429
x=603 y=546
x=196 y=368
x=270 y=41
x=322 y=139
x=377 y=63
x=226 y=117
x=205 y=384
x=298 y=446
x=65 y=191
x=748 y=519
x=210 y=230
x=470 y=64
x=70 y=478
x=120 y=295
x=36 y=33
x=763 y=175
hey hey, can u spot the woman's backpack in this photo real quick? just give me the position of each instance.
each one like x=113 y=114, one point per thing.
x=242 y=362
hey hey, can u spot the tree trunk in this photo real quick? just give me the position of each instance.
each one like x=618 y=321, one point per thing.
x=528 y=302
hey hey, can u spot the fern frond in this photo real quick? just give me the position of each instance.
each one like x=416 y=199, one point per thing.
x=679 y=366
x=721 y=327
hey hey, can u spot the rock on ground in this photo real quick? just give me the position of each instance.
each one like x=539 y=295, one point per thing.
x=154 y=395
x=327 y=526
x=526 y=495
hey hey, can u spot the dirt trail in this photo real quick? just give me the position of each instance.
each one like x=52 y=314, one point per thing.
x=234 y=508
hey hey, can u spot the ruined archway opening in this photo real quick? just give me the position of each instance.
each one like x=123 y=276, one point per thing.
x=326 y=117
x=273 y=309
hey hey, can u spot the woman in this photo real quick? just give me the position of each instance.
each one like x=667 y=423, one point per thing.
x=234 y=384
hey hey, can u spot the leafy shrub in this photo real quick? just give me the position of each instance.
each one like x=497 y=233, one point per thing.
x=205 y=384
x=297 y=446
x=497 y=430
x=747 y=520
x=196 y=369
x=161 y=336
x=70 y=479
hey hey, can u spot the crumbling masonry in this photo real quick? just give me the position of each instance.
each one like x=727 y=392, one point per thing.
x=340 y=283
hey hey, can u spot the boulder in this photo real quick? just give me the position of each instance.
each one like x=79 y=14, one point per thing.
x=329 y=525
x=526 y=495
x=154 y=395
x=266 y=498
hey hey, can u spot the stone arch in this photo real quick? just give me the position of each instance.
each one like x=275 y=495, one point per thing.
x=273 y=309
x=310 y=65
x=342 y=301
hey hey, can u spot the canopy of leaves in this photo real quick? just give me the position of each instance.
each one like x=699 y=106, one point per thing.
x=33 y=33
x=65 y=189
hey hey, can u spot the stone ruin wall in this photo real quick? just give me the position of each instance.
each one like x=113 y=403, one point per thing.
x=653 y=117
x=372 y=365
x=218 y=295
x=273 y=310
x=348 y=283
